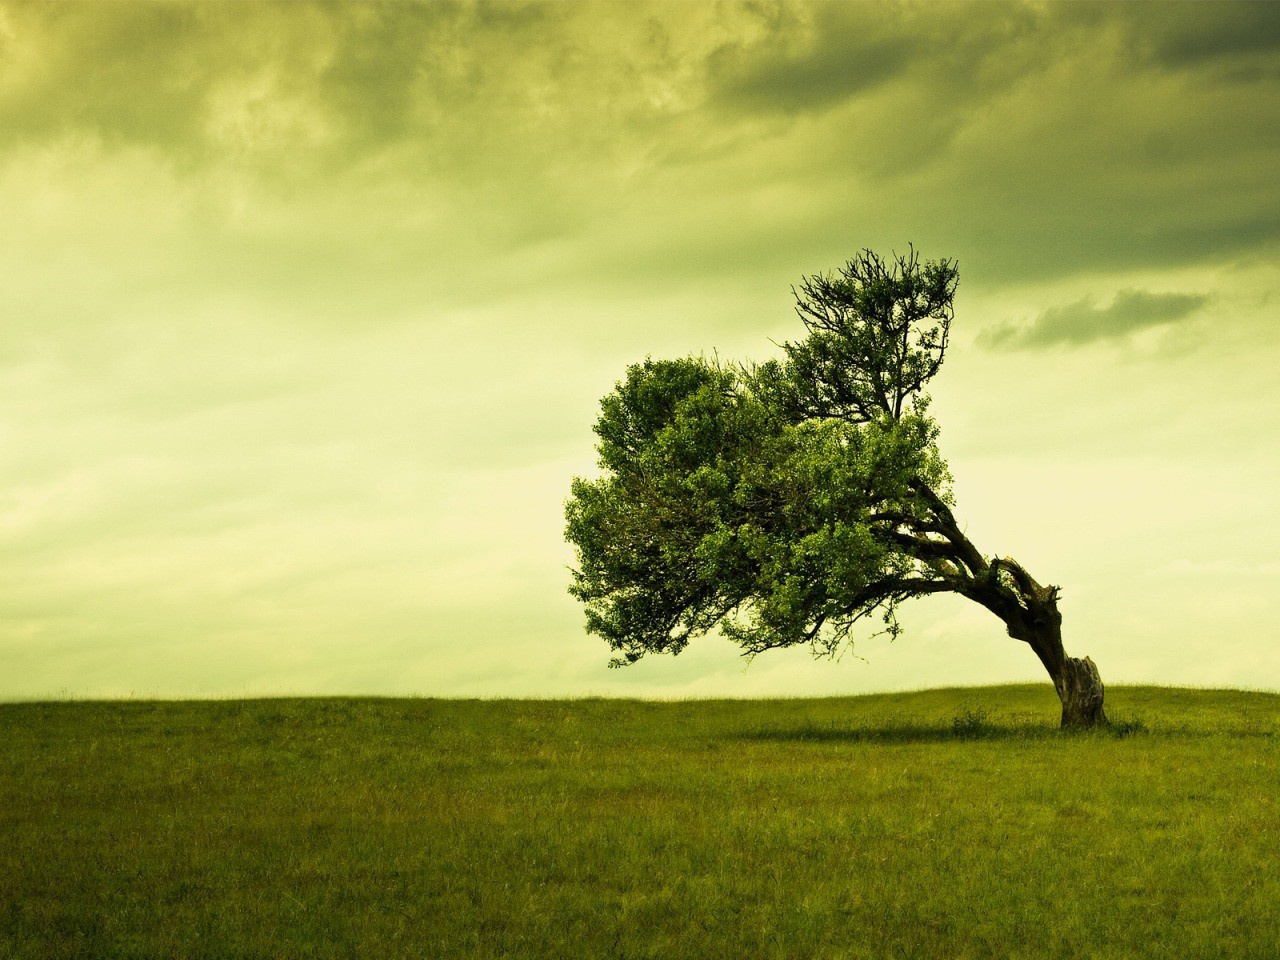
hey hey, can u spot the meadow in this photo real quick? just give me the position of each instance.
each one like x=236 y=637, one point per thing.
x=947 y=823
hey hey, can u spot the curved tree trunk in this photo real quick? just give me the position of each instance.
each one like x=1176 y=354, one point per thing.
x=1077 y=680
x=1002 y=585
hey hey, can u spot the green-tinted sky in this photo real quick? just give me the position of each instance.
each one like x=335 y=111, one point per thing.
x=308 y=309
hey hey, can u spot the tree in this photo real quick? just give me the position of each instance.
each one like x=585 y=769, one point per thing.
x=785 y=502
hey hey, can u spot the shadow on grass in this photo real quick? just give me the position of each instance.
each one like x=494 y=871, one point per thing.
x=897 y=733
x=968 y=725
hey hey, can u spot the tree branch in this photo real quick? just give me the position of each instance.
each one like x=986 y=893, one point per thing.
x=972 y=558
x=923 y=549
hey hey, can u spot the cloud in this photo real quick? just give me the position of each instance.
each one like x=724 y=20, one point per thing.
x=1084 y=322
x=1029 y=141
x=1196 y=34
x=803 y=57
x=801 y=64
x=201 y=83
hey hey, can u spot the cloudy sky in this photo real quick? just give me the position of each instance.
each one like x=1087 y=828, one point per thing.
x=308 y=309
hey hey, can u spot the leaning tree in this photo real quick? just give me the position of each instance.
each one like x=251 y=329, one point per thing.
x=786 y=501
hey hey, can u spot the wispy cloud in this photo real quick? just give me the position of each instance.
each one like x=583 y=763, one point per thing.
x=1085 y=322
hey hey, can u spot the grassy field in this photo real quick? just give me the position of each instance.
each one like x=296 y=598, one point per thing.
x=947 y=823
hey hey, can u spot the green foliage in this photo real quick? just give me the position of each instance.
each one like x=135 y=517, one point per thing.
x=1127 y=727
x=877 y=334
x=971 y=723
x=841 y=828
x=767 y=499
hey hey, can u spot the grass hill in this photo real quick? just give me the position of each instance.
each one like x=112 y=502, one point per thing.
x=947 y=823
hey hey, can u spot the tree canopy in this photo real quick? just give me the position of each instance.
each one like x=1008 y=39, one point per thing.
x=786 y=501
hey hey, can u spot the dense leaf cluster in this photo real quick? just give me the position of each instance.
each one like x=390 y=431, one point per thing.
x=784 y=501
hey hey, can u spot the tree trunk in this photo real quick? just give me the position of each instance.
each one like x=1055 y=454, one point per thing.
x=1077 y=681
x=1080 y=690
x=1002 y=585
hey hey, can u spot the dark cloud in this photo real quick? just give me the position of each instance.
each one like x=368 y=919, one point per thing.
x=814 y=56
x=126 y=73
x=784 y=80
x=1031 y=141
x=1189 y=34
x=152 y=74
x=1084 y=322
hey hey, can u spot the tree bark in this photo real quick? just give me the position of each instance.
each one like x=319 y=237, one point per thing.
x=1077 y=680
x=1080 y=690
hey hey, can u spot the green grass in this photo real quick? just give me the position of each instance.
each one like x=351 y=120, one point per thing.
x=947 y=823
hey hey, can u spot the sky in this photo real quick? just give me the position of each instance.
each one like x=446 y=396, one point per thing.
x=308 y=310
